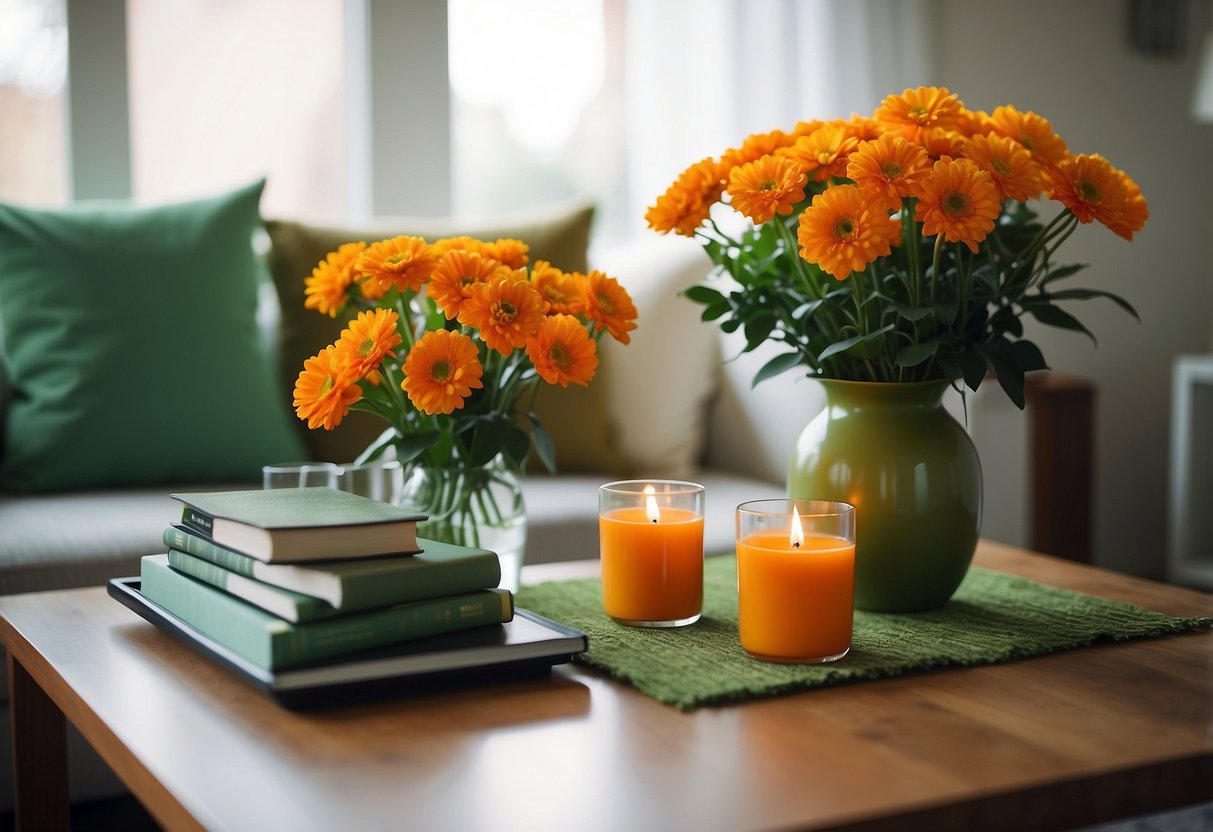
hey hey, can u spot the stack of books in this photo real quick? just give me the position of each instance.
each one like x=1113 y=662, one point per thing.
x=286 y=578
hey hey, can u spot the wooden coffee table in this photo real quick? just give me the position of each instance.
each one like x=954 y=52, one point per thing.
x=1078 y=737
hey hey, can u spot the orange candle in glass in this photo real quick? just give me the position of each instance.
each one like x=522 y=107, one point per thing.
x=795 y=579
x=651 y=544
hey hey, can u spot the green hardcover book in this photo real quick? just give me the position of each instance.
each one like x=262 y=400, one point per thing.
x=438 y=569
x=292 y=606
x=273 y=644
x=287 y=525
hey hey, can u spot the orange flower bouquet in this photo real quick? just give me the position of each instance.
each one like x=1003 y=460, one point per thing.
x=449 y=346
x=900 y=247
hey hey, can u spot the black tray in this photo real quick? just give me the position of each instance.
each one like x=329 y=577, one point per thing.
x=528 y=645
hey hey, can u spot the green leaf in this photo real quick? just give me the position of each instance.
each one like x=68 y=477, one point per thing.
x=488 y=438
x=915 y=354
x=913 y=313
x=412 y=445
x=864 y=343
x=1009 y=378
x=1062 y=272
x=946 y=311
x=711 y=313
x=1025 y=355
x=516 y=444
x=1052 y=315
x=805 y=309
x=758 y=329
x=731 y=325
x=779 y=364
x=545 y=448
x=703 y=294
x=1086 y=294
x=972 y=367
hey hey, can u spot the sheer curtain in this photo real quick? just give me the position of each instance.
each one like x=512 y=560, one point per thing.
x=703 y=74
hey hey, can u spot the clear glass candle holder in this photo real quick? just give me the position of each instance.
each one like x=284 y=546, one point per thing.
x=300 y=475
x=651 y=545
x=795 y=579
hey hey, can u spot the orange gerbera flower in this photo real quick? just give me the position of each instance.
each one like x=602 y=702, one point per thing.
x=508 y=252
x=403 y=262
x=326 y=288
x=686 y=204
x=958 y=200
x=842 y=232
x=325 y=389
x=456 y=273
x=368 y=339
x=610 y=307
x=754 y=147
x=924 y=108
x=564 y=292
x=1032 y=131
x=1009 y=164
x=1090 y=187
x=1136 y=212
x=562 y=351
x=863 y=128
x=766 y=187
x=506 y=310
x=888 y=168
x=823 y=152
x=441 y=371
x=441 y=247
x=942 y=143
x=973 y=122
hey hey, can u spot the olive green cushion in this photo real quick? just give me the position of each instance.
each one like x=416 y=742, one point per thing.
x=131 y=347
x=577 y=418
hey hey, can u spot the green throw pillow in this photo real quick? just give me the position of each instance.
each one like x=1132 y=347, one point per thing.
x=131 y=348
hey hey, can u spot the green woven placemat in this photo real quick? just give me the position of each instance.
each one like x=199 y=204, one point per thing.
x=993 y=617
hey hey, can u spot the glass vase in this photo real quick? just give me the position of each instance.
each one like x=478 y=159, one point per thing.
x=477 y=506
x=913 y=475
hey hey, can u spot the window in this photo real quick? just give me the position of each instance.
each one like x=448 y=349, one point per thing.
x=222 y=93
x=33 y=68
x=537 y=104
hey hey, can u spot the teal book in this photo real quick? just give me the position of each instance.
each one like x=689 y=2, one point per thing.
x=271 y=643
x=286 y=525
x=438 y=569
x=291 y=606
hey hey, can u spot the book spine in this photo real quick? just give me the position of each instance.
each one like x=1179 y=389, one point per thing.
x=273 y=644
x=183 y=541
x=195 y=519
x=406 y=622
x=435 y=579
x=281 y=602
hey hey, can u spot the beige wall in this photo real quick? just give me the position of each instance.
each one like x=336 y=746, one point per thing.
x=1071 y=61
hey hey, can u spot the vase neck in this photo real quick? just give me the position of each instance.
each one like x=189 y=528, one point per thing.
x=884 y=395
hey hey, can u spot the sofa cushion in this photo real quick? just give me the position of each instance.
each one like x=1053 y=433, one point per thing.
x=660 y=385
x=131 y=346
x=575 y=417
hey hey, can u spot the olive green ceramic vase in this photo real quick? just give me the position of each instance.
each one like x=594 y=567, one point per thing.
x=912 y=473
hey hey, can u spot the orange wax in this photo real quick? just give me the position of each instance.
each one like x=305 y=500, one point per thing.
x=795 y=604
x=651 y=571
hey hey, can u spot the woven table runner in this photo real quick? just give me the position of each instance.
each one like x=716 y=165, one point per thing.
x=994 y=617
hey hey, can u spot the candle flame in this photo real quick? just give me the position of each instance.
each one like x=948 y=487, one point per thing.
x=650 y=504
x=796 y=538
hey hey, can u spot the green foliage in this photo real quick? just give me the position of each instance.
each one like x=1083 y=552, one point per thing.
x=928 y=310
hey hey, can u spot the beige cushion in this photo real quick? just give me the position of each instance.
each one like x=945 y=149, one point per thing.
x=659 y=385
x=576 y=418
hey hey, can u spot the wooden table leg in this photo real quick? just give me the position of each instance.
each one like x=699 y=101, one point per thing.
x=39 y=754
